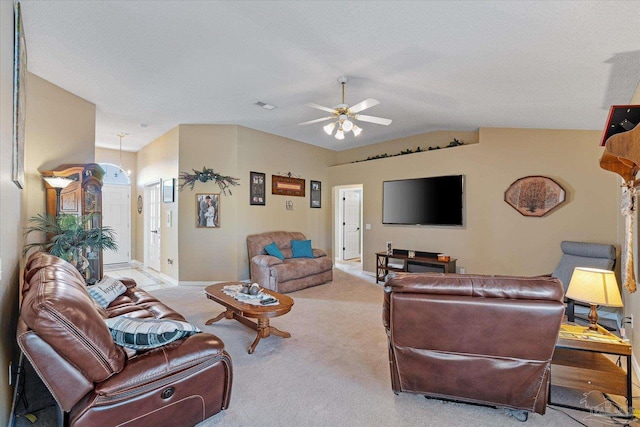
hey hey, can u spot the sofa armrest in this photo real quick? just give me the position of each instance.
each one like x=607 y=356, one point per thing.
x=318 y=253
x=128 y=282
x=66 y=383
x=163 y=362
x=266 y=260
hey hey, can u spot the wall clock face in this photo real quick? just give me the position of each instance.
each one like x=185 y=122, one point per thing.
x=139 y=204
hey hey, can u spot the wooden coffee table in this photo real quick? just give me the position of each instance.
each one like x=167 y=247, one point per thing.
x=242 y=311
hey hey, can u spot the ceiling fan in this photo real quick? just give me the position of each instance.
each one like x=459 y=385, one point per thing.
x=345 y=114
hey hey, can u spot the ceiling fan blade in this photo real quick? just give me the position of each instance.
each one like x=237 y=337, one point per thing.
x=367 y=103
x=320 y=107
x=371 y=119
x=316 y=120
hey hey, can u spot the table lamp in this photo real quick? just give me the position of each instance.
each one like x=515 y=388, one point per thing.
x=594 y=287
x=58 y=183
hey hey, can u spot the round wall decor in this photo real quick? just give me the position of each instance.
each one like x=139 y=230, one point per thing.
x=139 y=204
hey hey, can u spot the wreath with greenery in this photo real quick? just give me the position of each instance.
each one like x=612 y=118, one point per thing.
x=224 y=182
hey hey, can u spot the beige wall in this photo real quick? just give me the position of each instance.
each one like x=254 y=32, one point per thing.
x=61 y=129
x=273 y=155
x=395 y=146
x=495 y=238
x=208 y=253
x=11 y=215
x=157 y=161
x=129 y=160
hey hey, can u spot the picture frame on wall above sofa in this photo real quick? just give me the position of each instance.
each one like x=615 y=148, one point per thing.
x=287 y=186
x=168 y=190
x=315 y=201
x=258 y=189
x=208 y=210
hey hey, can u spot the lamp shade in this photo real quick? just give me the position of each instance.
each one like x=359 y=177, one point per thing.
x=57 y=181
x=594 y=286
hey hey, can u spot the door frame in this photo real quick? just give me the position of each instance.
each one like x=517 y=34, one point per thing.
x=146 y=219
x=338 y=211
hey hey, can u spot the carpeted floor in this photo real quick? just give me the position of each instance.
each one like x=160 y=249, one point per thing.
x=333 y=371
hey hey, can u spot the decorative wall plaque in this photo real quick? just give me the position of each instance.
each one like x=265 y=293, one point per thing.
x=534 y=195
x=287 y=186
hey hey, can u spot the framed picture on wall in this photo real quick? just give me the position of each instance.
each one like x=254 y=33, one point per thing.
x=287 y=186
x=19 y=96
x=316 y=194
x=208 y=210
x=168 y=190
x=257 y=192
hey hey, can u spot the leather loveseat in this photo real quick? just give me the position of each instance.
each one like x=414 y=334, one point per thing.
x=478 y=339
x=96 y=382
x=290 y=274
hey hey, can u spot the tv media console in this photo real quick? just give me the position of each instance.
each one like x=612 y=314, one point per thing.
x=422 y=262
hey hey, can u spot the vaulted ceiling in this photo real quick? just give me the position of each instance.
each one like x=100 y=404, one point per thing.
x=433 y=65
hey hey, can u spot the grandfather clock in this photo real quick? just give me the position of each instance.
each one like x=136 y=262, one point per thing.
x=82 y=197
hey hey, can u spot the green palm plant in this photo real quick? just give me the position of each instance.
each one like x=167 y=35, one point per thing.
x=70 y=237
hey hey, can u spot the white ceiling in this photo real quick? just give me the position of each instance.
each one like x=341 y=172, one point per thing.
x=435 y=65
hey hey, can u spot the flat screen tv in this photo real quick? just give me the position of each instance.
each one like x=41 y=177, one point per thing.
x=423 y=201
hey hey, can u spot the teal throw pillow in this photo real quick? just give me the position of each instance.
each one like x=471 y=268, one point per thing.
x=301 y=249
x=273 y=250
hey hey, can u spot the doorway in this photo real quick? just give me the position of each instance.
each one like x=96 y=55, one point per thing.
x=349 y=235
x=152 y=229
x=116 y=211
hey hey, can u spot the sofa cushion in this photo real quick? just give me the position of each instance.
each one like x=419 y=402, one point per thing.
x=142 y=334
x=296 y=268
x=301 y=249
x=272 y=249
x=105 y=291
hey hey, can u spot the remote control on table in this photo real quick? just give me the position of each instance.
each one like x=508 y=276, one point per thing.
x=268 y=301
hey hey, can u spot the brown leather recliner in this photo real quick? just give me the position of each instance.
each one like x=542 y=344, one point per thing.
x=96 y=382
x=478 y=339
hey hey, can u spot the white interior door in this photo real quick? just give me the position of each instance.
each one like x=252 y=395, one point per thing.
x=152 y=228
x=351 y=224
x=116 y=213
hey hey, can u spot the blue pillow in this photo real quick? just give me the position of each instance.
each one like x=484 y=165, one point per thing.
x=301 y=249
x=273 y=250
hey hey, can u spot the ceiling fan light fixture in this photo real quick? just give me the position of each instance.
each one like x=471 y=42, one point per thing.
x=356 y=130
x=347 y=125
x=340 y=134
x=328 y=129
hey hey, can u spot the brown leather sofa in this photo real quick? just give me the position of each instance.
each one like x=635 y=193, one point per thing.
x=479 y=339
x=289 y=275
x=96 y=382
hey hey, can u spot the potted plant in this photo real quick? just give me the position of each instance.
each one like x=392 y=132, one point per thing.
x=70 y=237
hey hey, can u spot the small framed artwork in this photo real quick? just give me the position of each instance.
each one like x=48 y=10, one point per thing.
x=168 y=190
x=257 y=196
x=208 y=210
x=316 y=194
x=287 y=186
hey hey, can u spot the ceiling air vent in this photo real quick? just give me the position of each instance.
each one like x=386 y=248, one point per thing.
x=265 y=105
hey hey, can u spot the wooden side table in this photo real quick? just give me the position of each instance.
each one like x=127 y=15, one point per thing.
x=580 y=362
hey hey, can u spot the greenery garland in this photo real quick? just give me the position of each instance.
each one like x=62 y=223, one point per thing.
x=224 y=182
x=453 y=143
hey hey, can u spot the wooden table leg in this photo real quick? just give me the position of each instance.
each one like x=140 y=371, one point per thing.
x=228 y=314
x=278 y=332
x=265 y=330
